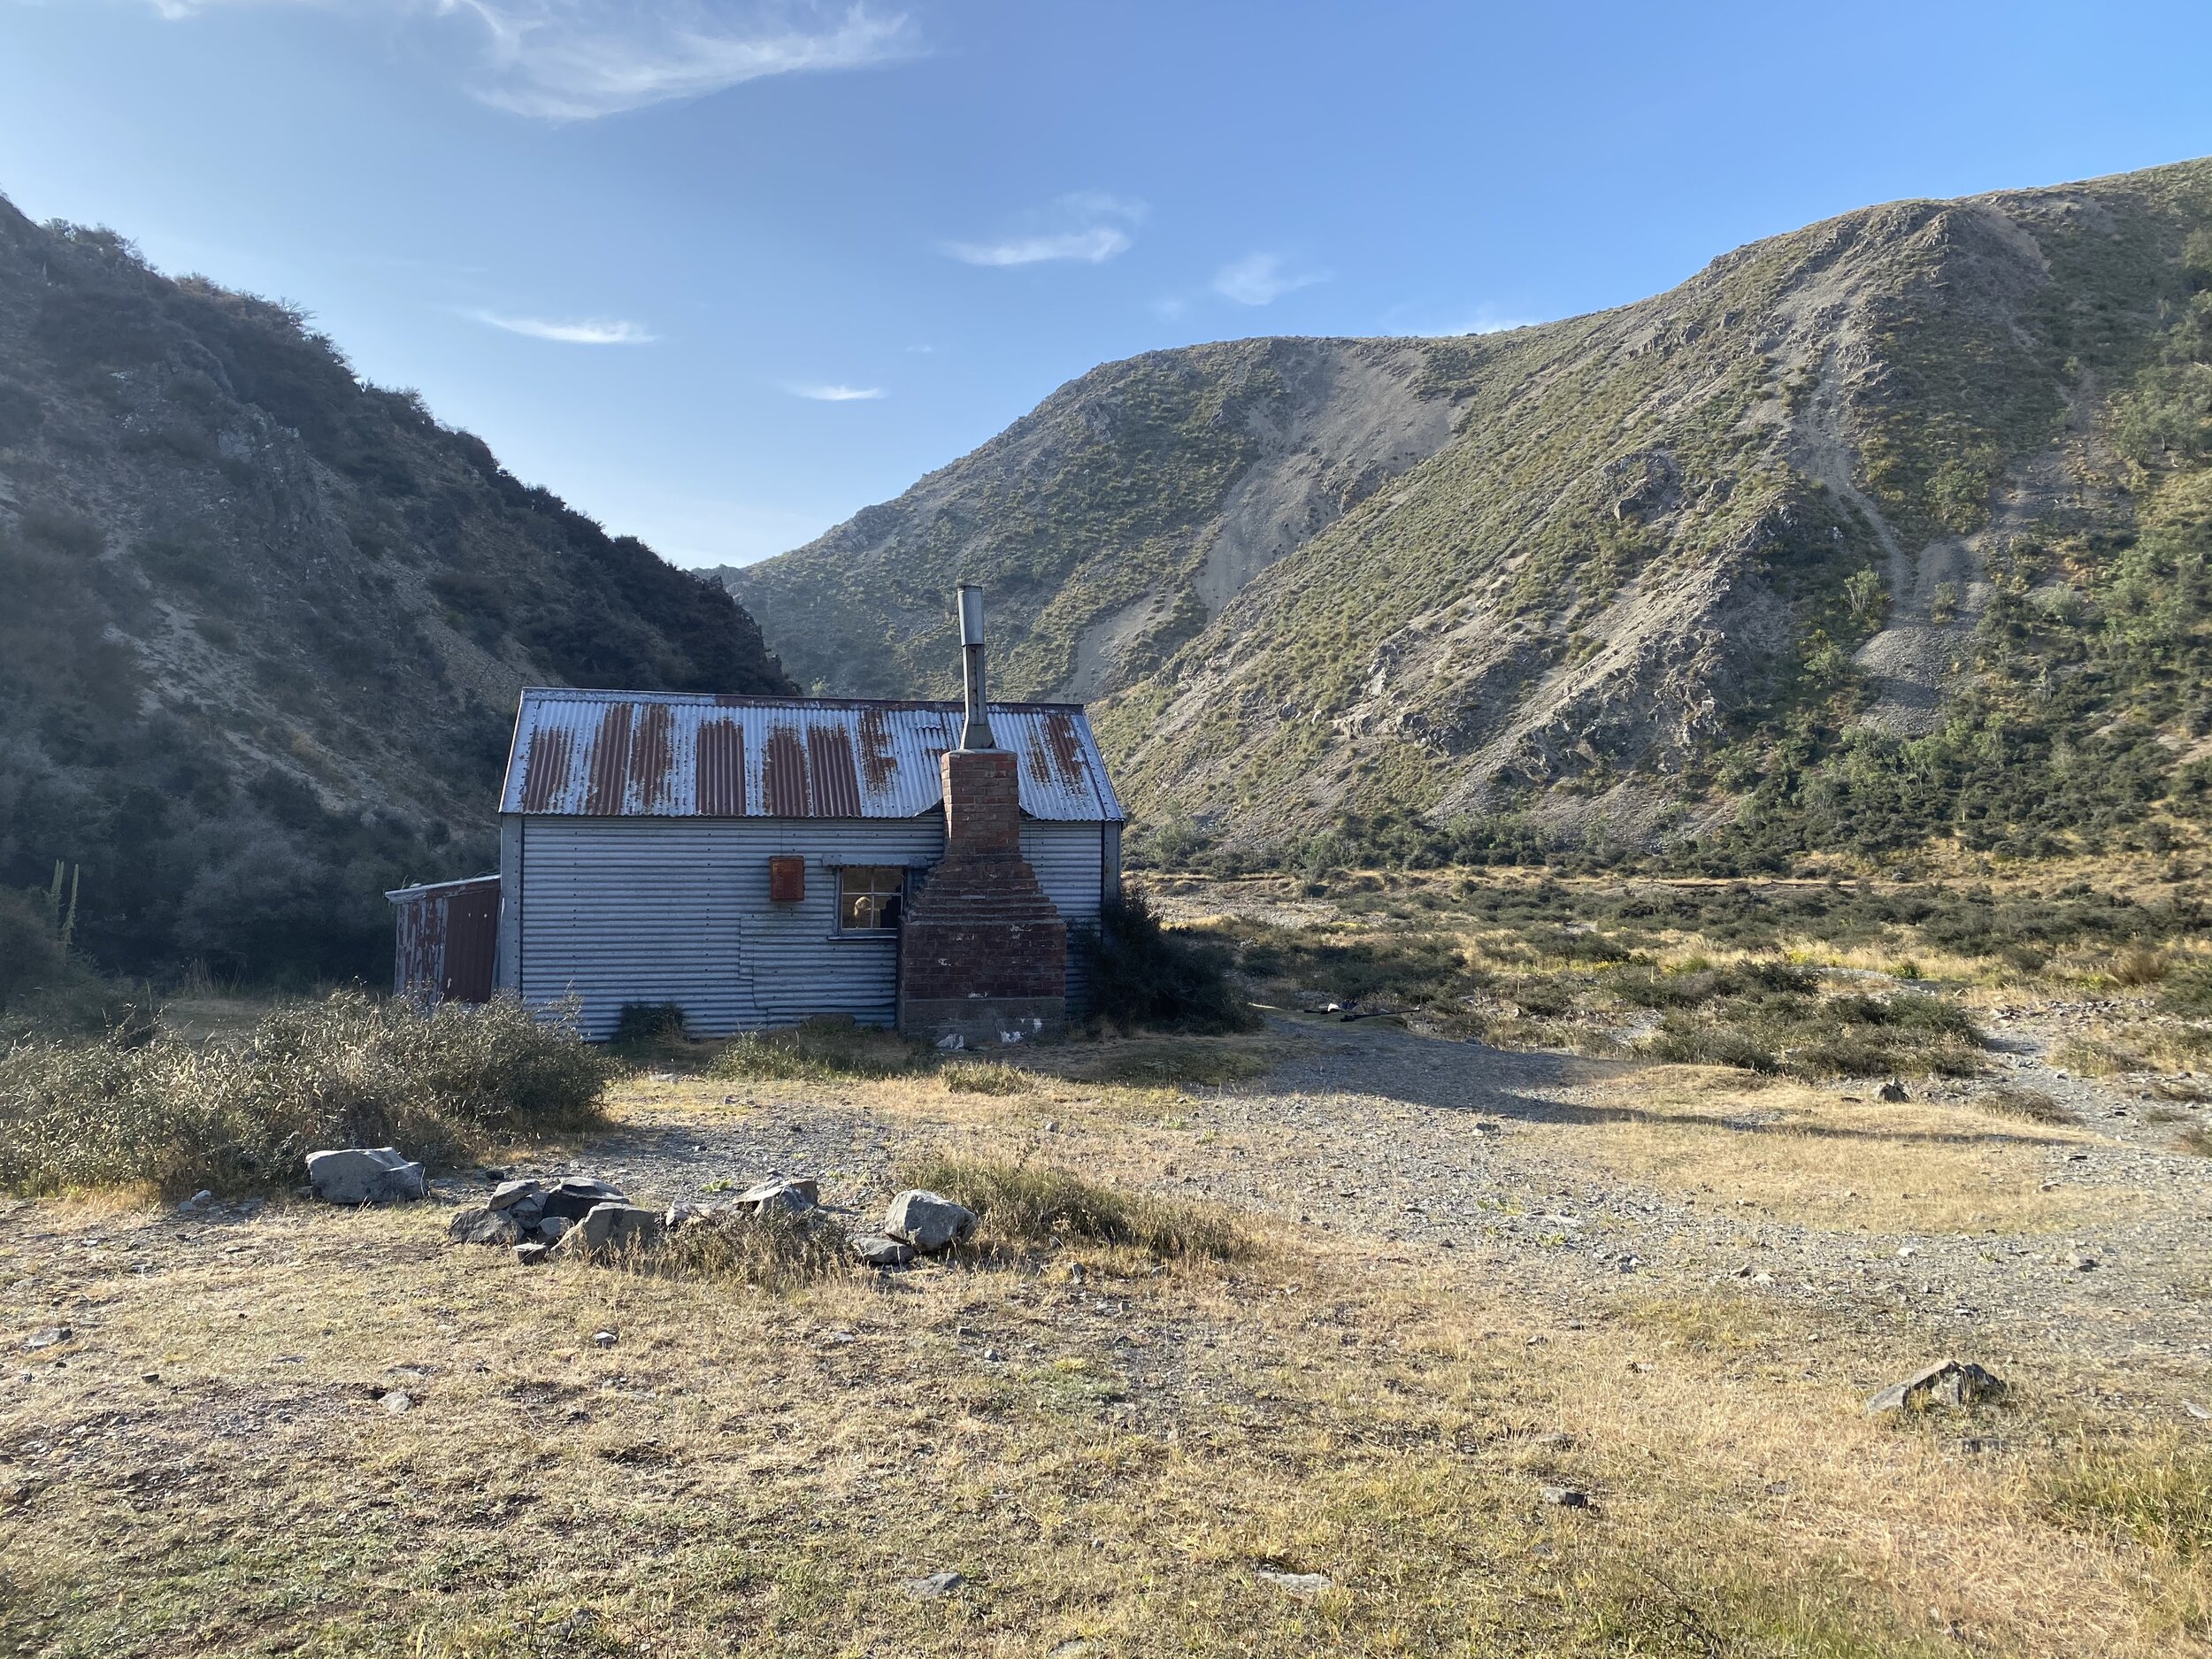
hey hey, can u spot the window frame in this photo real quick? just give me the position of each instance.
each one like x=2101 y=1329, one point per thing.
x=905 y=895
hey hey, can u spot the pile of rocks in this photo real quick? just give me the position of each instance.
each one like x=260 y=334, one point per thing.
x=539 y=1216
x=577 y=1215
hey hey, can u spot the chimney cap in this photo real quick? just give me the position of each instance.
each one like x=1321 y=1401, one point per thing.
x=970 y=606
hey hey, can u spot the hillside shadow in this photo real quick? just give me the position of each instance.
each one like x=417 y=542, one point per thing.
x=1474 y=1080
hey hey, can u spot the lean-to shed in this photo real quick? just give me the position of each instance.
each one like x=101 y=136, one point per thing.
x=750 y=859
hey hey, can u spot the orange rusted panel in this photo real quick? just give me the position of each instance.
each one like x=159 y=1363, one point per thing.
x=721 y=776
x=683 y=755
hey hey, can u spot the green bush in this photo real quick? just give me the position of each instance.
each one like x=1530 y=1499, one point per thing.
x=645 y=1022
x=346 y=1071
x=1142 y=974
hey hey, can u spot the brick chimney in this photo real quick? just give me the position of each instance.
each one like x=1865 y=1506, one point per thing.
x=983 y=953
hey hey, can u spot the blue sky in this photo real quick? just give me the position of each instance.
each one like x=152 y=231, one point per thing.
x=722 y=272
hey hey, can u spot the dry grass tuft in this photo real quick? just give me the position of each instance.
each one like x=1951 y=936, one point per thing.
x=824 y=1049
x=2140 y=965
x=984 y=1076
x=1035 y=1206
x=2197 y=1140
x=2030 y=1105
x=778 y=1251
x=2154 y=1493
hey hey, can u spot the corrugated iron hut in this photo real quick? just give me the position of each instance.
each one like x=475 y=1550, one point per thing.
x=755 y=860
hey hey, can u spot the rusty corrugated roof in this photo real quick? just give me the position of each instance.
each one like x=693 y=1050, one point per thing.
x=642 y=754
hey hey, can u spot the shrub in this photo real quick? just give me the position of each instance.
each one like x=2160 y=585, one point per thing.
x=824 y=1049
x=1142 y=974
x=645 y=1022
x=1035 y=1205
x=347 y=1071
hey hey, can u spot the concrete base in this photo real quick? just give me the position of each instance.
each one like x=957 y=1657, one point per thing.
x=985 y=1022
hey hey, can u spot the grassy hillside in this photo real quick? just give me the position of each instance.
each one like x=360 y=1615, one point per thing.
x=266 y=623
x=1110 y=524
x=1886 y=531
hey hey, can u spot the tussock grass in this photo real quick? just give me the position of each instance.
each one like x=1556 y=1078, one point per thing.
x=2140 y=965
x=984 y=1076
x=829 y=1049
x=2196 y=1139
x=778 y=1251
x=1036 y=1206
x=2030 y=1105
x=2154 y=1493
x=161 y=1111
x=1778 y=1026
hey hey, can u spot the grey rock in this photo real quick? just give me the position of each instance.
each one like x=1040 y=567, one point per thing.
x=604 y=1339
x=366 y=1175
x=790 y=1196
x=575 y=1196
x=1947 y=1382
x=1892 y=1091
x=934 y=1585
x=485 y=1226
x=928 y=1221
x=880 y=1252
x=508 y=1193
x=613 y=1226
x=398 y=1401
x=553 y=1228
x=49 y=1336
x=1299 y=1584
x=1565 y=1497
x=531 y=1255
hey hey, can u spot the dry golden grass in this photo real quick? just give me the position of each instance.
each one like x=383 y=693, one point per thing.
x=1108 y=1456
x=748 y=1472
x=1859 y=1165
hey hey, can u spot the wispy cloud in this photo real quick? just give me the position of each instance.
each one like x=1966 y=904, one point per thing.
x=574 y=60
x=587 y=331
x=838 y=393
x=1259 y=279
x=1088 y=225
x=1093 y=247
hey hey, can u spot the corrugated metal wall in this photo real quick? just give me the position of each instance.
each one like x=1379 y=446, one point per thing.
x=445 y=938
x=1066 y=858
x=677 y=910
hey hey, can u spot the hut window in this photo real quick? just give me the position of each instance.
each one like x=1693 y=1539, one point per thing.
x=869 y=898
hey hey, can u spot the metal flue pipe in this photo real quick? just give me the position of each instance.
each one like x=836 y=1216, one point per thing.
x=975 y=729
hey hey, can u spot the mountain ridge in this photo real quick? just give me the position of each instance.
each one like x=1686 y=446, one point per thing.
x=1661 y=545
x=271 y=620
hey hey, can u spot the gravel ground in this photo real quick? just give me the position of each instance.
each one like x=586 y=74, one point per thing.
x=1468 y=1155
